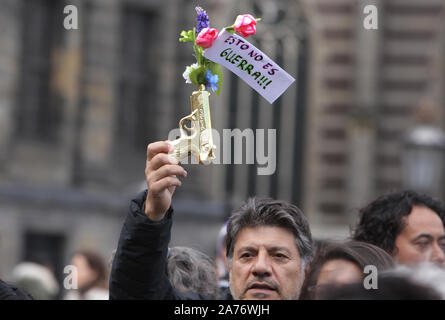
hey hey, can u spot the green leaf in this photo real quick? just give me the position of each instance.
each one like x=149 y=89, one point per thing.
x=185 y=36
x=197 y=76
x=216 y=69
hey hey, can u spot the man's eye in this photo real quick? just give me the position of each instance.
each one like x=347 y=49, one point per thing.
x=423 y=244
x=280 y=256
x=245 y=255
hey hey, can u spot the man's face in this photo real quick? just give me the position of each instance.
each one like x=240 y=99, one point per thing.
x=422 y=239
x=266 y=265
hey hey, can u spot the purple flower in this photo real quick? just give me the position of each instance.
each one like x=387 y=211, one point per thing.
x=211 y=81
x=202 y=20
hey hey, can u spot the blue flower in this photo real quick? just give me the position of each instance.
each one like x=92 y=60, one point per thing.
x=202 y=20
x=211 y=81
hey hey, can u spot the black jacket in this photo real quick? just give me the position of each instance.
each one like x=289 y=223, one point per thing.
x=139 y=266
x=8 y=292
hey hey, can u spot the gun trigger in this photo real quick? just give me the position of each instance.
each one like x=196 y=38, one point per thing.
x=190 y=129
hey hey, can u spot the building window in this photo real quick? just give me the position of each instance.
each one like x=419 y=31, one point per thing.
x=46 y=249
x=36 y=114
x=137 y=85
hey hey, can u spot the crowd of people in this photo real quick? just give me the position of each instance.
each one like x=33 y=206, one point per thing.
x=268 y=251
x=264 y=251
x=87 y=279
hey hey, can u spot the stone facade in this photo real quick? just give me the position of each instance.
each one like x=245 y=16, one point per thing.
x=364 y=87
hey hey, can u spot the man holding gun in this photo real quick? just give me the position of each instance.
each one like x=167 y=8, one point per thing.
x=268 y=242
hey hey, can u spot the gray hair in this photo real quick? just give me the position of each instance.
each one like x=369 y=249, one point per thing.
x=277 y=213
x=191 y=270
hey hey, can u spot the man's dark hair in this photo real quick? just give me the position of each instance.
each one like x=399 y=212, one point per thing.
x=274 y=213
x=381 y=221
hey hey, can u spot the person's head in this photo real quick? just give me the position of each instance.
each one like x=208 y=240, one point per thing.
x=190 y=270
x=390 y=287
x=268 y=244
x=407 y=225
x=91 y=270
x=342 y=263
x=428 y=274
x=35 y=279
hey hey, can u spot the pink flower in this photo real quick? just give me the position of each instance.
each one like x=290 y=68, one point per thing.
x=245 y=25
x=206 y=37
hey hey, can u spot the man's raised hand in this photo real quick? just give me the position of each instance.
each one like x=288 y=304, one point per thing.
x=161 y=172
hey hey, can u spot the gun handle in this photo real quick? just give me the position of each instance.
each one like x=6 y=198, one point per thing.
x=181 y=148
x=184 y=146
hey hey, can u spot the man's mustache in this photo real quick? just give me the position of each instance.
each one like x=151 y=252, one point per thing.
x=261 y=281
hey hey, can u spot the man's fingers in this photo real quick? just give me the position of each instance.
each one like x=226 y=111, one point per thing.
x=157 y=147
x=171 y=189
x=165 y=183
x=165 y=171
x=161 y=159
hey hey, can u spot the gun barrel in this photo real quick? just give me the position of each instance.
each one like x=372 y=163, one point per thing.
x=199 y=101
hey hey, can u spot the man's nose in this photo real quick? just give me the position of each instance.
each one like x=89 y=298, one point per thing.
x=438 y=255
x=262 y=267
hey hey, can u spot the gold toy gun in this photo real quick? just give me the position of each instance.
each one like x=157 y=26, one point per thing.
x=200 y=142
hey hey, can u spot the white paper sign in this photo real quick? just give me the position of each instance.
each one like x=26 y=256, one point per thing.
x=250 y=64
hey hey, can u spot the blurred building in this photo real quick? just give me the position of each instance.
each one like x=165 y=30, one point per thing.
x=365 y=86
x=78 y=108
